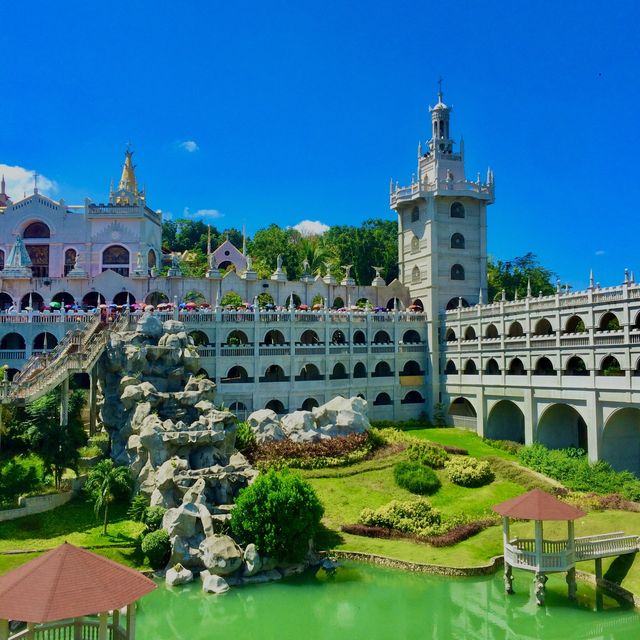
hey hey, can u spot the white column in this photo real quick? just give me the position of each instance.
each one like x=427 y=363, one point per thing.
x=539 y=543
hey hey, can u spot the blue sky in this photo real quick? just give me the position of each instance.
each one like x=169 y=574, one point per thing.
x=305 y=110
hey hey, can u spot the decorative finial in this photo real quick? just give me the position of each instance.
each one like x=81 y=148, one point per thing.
x=35 y=182
x=591 y=282
x=208 y=239
x=558 y=285
x=440 y=89
x=480 y=297
x=528 y=287
x=626 y=276
x=2 y=187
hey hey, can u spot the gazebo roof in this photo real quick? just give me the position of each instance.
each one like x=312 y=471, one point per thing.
x=538 y=505
x=68 y=582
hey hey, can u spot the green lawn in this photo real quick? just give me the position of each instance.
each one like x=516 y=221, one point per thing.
x=461 y=438
x=74 y=522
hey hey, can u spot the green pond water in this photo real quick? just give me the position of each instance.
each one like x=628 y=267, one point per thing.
x=368 y=602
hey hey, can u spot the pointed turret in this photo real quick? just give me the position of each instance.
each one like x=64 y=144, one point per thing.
x=127 y=193
x=5 y=200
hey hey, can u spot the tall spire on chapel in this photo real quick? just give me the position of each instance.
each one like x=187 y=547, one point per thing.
x=127 y=193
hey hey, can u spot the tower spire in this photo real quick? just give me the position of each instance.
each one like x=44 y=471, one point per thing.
x=2 y=187
x=440 y=89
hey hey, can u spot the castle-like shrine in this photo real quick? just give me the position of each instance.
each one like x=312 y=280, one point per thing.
x=562 y=369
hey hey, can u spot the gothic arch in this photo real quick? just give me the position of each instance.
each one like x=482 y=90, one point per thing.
x=515 y=330
x=543 y=328
x=470 y=368
x=450 y=369
x=339 y=372
x=359 y=371
x=450 y=336
x=516 y=368
x=382 y=370
x=411 y=368
x=462 y=407
x=492 y=368
x=359 y=337
x=45 y=341
x=415 y=274
x=491 y=331
x=505 y=422
x=621 y=440
x=470 y=333
x=544 y=367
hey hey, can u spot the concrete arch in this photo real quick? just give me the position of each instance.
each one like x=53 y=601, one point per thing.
x=236 y=374
x=93 y=299
x=543 y=328
x=411 y=368
x=381 y=337
x=470 y=367
x=505 y=422
x=12 y=341
x=450 y=336
x=274 y=373
x=382 y=399
x=621 y=440
x=6 y=301
x=561 y=426
x=413 y=397
x=450 y=369
x=237 y=337
x=462 y=407
x=296 y=300
x=32 y=300
x=310 y=403
x=492 y=368
x=339 y=372
x=275 y=405
x=609 y=321
x=382 y=370
x=124 y=297
x=310 y=372
x=576 y=367
x=491 y=331
x=309 y=337
x=516 y=368
x=395 y=303
x=515 y=330
x=419 y=304
x=200 y=338
x=575 y=324
x=64 y=298
x=338 y=303
x=274 y=337
x=156 y=297
x=544 y=367
x=610 y=366
x=636 y=322
x=359 y=371
x=45 y=341
x=359 y=337
x=411 y=337
x=470 y=333
x=338 y=337
x=237 y=406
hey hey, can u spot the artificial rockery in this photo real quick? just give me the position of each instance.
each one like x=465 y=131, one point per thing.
x=181 y=450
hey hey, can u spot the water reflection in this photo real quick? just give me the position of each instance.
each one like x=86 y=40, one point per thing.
x=369 y=602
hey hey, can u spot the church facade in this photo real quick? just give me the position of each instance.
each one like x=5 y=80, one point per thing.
x=563 y=370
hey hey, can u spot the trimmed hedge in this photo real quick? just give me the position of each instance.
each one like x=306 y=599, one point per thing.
x=416 y=477
x=469 y=472
x=416 y=516
x=157 y=547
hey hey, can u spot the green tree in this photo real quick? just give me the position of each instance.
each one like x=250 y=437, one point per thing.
x=231 y=299
x=105 y=484
x=513 y=275
x=314 y=250
x=280 y=512
x=37 y=427
x=267 y=244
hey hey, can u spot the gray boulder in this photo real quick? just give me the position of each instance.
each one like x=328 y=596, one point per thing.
x=252 y=560
x=213 y=583
x=266 y=426
x=220 y=555
x=150 y=326
x=178 y=575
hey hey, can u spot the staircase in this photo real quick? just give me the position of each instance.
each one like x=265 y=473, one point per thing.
x=78 y=352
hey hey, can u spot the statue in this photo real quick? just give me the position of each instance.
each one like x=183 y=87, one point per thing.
x=249 y=263
x=347 y=271
x=328 y=266
x=212 y=262
x=279 y=263
x=377 y=270
x=175 y=263
x=305 y=266
x=139 y=265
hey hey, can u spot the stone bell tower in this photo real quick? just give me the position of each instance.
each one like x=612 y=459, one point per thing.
x=442 y=228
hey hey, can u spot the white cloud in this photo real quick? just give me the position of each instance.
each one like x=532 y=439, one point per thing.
x=202 y=213
x=190 y=146
x=600 y=252
x=20 y=181
x=311 y=228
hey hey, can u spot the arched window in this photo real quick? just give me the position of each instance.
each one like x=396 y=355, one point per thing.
x=296 y=301
x=309 y=403
x=116 y=258
x=457 y=272
x=69 y=260
x=236 y=374
x=450 y=336
x=338 y=337
x=274 y=337
x=470 y=333
x=491 y=331
x=93 y=299
x=6 y=301
x=516 y=368
x=237 y=338
x=576 y=367
x=450 y=368
x=609 y=322
x=382 y=399
x=411 y=368
x=359 y=337
x=413 y=397
x=339 y=372
x=359 y=371
x=44 y=341
x=457 y=241
x=544 y=367
x=155 y=298
x=492 y=368
x=382 y=370
x=415 y=214
x=470 y=368
x=274 y=373
x=33 y=301
x=12 y=341
x=276 y=406
x=309 y=372
x=454 y=303
x=543 y=328
x=36 y=230
x=411 y=337
x=610 y=366
x=124 y=298
x=381 y=337
x=309 y=337
x=575 y=324
x=515 y=330
x=338 y=303
x=457 y=210
x=151 y=259
x=200 y=338
x=415 y=244
x=415 y=274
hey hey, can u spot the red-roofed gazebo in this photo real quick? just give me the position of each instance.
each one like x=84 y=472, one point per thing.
x=59 y=588
x=553 y=556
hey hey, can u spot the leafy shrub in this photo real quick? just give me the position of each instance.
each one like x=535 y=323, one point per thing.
x=152 y=518
x=245 y=439
x=369 y=531
x=455 y=451
x=416 y=477
x=231 y=299
x=504 y=445
x=425 y=453
x=137 y=508
x=18 y=476
x=469 y=472
x=280 y=512
x=416 y=516
x=577 y=473
x=157 y=547
x=460 y=532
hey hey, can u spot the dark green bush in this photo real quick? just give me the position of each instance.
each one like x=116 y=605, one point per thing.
x=245 y=439
x=424 y=453
x=504 y=445
x=416 y=477
x=18 y=476
x=152 y=518
x=138 y=506
x=280 y=512
x=157 y=548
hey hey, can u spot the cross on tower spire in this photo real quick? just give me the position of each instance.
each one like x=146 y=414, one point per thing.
x=35 y=182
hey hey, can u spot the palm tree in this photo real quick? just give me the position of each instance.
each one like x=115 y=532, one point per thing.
x=104 y=484
x=313 y=250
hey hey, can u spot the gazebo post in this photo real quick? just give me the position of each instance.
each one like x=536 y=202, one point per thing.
x=539 y=579
x=115 y=621
x=571 y=557
x=508 y=571
x=4 y=630
x=131 y=621
x=77 y=628
x=103 y=628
